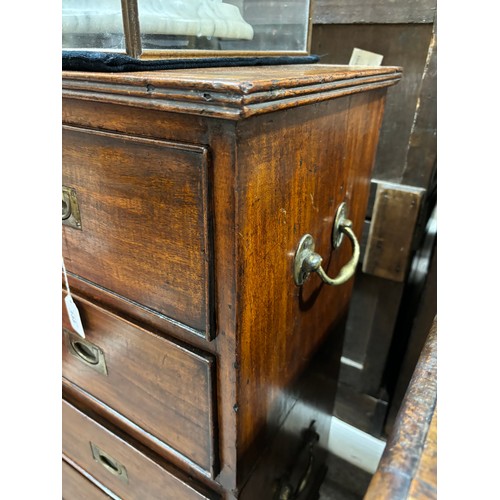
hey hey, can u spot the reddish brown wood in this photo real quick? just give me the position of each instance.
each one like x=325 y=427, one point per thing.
x=424 y=484
x=292 y=187
x=142 y=383
x=76 y=487
x=284 y=148
x=408 y=466
x=144 y=474
x=144 y=208
x=232 y=93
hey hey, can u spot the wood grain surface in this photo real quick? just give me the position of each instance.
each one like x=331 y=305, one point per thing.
x=373 y=11
x=142 y=382
x=390 y=239
x=408 y=466
x=143 y=473
x=288 y=186
x=401 y=45
x=144 y=208
x=76 y=487
x=283 y=148
x=231 y=93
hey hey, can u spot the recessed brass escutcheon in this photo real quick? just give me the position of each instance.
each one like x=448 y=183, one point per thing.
x=70 y=209
x=86 y=352
x=109 y=463
x=308 y=261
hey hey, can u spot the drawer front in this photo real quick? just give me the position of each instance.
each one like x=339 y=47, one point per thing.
x=143 y=210
x=116 y=464
x=77 y=487
x=159 y=386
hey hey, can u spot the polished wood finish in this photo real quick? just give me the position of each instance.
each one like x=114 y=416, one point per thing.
x=233 y=93
x=145 y=476
x=299 y=195
x=76 y=487
x=295 y=456
x=142 y=383
x=284 y=147
x=144 y=236
x=408 y=466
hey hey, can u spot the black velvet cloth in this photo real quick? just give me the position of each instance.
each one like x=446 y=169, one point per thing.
x=114 y=63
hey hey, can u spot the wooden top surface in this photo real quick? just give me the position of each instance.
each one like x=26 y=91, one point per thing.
x=244 y=79
x=228 y=92
x=408 y=467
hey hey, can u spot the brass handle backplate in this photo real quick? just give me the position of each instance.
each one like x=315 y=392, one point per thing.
x=308 y=261
x=109 y=463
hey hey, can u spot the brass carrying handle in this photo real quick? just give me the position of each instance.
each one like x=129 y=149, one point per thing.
x=308 y=261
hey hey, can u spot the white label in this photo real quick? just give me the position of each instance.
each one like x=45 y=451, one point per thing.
x=362 y=57
x=74 y=316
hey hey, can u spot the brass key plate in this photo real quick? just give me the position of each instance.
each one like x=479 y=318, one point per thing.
x=70 y=209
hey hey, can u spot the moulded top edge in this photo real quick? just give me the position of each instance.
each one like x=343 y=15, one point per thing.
x=242 y=80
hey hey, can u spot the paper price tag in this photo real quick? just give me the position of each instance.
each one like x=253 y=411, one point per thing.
x=74 y=315
x=360 y=57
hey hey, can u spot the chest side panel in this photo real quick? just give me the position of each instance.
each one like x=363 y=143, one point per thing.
x=295 y=168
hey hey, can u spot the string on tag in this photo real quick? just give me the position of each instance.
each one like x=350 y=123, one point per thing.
x=73 y=313
x=65 y=277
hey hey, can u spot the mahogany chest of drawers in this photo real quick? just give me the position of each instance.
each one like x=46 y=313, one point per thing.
x=186 y=196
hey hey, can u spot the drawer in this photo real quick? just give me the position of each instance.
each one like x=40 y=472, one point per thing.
x=143 y=207
x=77 y=487
x=157 y=385
x=118 y=465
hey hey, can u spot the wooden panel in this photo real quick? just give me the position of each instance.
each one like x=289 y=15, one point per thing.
x=77 y=487
x=254 y=240
x=220 y=135
x=301 y=442
x=373 y=11
x=401 y=45
x=290 y=187
x=143 y=473
x=400 y=463
x=231 y=93
x=388 y=251
x=143 y=382
x=424 y=485
x=145 y=209
x=422 y=147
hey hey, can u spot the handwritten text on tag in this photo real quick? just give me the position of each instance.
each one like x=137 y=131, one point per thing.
x=74 y=316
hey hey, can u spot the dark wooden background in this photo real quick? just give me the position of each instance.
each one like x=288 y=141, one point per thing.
x=394 y=299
